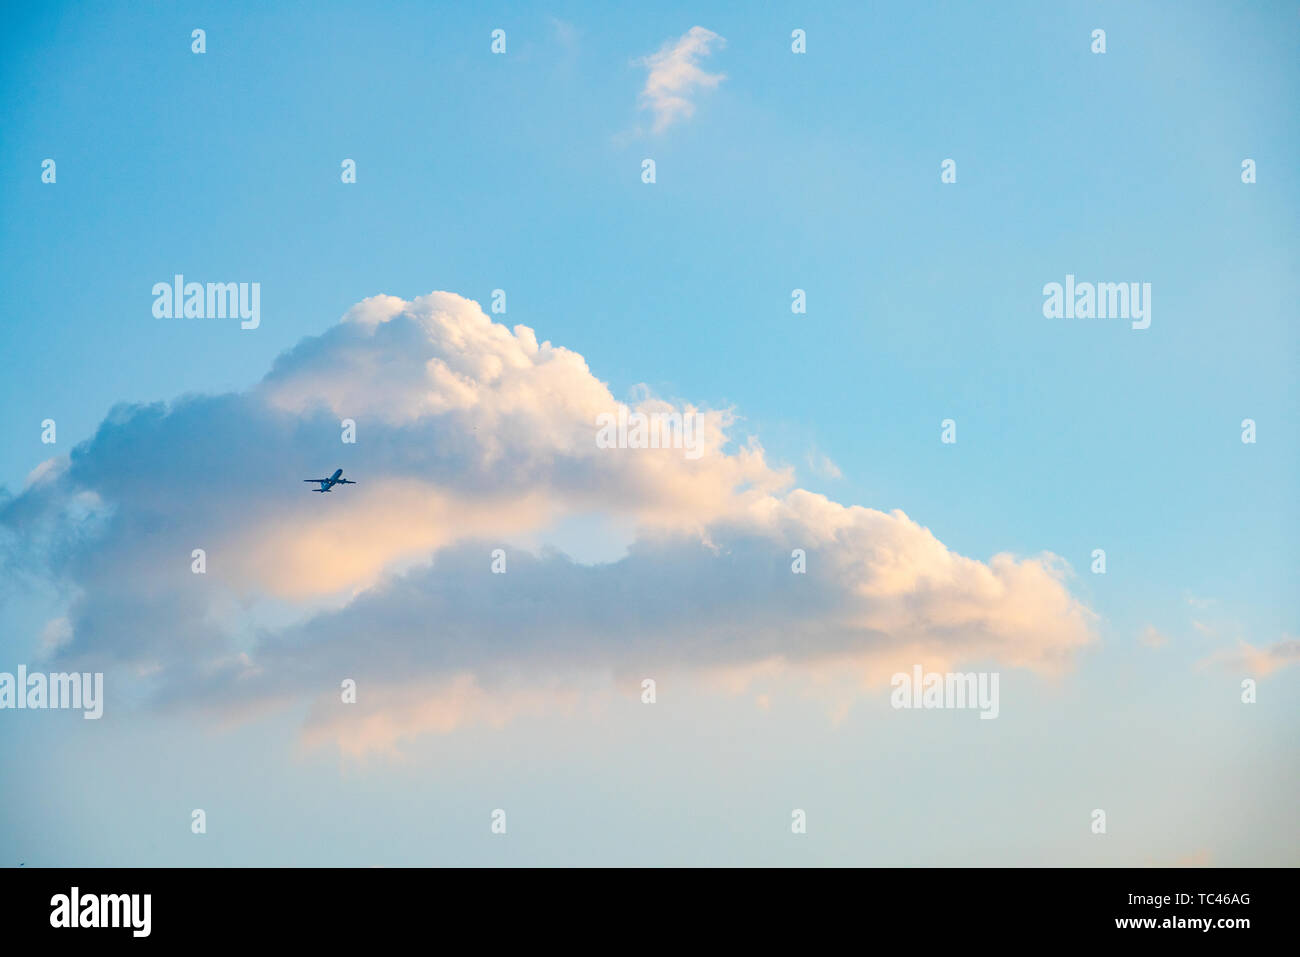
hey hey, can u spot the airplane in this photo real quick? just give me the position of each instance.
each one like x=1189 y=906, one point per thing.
x=328 y=483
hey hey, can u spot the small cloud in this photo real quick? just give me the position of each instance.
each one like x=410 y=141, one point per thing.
x=675 y=76
x=56 y=633
x=822 y=466
x=1199 y=603
x=1153 y=638
x=48 y=470
x=1259 y=662
x=565 y=32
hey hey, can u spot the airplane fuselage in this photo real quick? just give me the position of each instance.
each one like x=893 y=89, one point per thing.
x=326 y=484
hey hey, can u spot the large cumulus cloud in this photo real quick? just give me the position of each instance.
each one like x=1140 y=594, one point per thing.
x=473 y=435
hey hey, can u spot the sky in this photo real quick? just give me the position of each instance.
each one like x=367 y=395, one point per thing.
x=822 y=431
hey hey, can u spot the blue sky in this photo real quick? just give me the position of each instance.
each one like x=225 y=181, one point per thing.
x=817 y=171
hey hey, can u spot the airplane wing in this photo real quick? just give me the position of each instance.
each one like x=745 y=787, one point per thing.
x=315 y=480
x=345 y=482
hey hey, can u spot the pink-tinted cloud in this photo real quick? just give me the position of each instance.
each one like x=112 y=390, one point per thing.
x=1249 y=660
x=470 y=436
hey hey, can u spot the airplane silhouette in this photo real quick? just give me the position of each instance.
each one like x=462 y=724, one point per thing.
x=328 y=483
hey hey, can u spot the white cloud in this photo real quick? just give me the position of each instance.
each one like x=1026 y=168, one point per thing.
x=56 y=632
x=822 y=466
x=565 y=32
x=472 y=436
x=675 y=76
